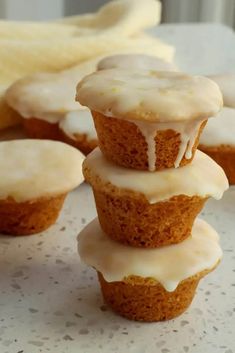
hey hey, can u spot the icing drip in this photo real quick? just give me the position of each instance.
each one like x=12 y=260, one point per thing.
x=169 y=265
x=188 y=133
x=149 y=132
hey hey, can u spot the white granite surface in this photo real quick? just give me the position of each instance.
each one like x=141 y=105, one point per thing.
x=49 y=302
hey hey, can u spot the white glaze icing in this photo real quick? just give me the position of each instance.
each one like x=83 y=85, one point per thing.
x=220 y=131
x=137 y=61
x=78 y=122
x=169 y=265
x=202 y=177
x=48 y=96
x=38 y=168
x=226 y=83
x=156 y=96
x=188 y=132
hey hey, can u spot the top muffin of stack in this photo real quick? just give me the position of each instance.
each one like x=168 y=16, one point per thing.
x=154 y=118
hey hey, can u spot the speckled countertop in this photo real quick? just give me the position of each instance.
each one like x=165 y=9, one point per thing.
x=49 y=302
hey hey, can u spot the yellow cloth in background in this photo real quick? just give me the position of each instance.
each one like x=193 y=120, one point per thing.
x=27 y=47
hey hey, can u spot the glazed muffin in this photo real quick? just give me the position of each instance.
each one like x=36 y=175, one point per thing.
x=150 y=284
x=44 y=99
x=137 y=61
x=218 y=141
x=145 y=209
x=35 y=177
x=149 y=120
x=226 y=83
x=77 y=129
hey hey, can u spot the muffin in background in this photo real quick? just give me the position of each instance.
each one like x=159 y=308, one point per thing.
x=35 y=177
x=78 y=130
x=135 y=61
x=218 y=141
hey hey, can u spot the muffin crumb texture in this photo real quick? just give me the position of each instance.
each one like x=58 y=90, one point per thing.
x=29 y=217
x=143 y=299
x=135 y=222
x=113 y=134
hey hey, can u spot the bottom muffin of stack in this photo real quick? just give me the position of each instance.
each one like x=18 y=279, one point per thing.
x=150 y=284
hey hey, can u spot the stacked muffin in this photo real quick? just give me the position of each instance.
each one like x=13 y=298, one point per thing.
x=150 y=183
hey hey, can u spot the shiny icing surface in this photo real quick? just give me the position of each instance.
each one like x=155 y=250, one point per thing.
x=202 y=177
x=48 y=96
x=38 y=168
x=226 y=83
x=169 y=265
x=220 y=131
x=137 y=61
x=188 y=133
x=78 y=122
x=156 y=96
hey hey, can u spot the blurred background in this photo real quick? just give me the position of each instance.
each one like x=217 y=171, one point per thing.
x=173 y=11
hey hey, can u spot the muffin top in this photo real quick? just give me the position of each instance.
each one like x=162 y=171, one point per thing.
x=32 y=169
x=226 y=83
x=169 y=265
x=48 y=95
x=154 y=96
x=221 y=131
x=202 y=177
x=137 y=61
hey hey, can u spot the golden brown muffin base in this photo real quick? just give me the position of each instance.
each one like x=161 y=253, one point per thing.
x=145 y=299
x=29 y=217
x=8 y=116
x=82 y=142
x=225 y=156
x=128 y=217
x=40 y=129
x=122 y=142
